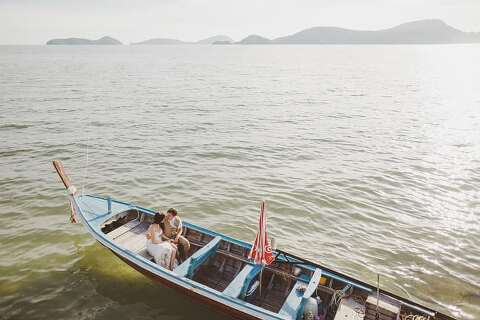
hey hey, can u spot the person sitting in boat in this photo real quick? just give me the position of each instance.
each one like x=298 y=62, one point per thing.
x=173 y=230
x=162 y=249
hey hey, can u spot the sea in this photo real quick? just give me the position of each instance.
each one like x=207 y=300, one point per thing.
x=368 y=157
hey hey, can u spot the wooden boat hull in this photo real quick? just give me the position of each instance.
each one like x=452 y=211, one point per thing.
x=198 y=297
x=197 y=293
x=120 y=227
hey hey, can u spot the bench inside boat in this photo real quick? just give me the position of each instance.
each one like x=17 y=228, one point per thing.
x=286 y=288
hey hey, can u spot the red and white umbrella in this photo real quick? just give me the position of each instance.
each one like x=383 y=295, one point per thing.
x=261 y=251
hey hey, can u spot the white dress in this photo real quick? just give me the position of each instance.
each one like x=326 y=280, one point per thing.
x=161 y=252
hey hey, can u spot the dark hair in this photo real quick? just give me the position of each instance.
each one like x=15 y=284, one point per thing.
x=172 y=211
x=158 y=219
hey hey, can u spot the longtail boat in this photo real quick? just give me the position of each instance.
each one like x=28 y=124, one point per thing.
x=218 y=271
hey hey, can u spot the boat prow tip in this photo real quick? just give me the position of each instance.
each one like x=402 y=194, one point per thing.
x=57 y=164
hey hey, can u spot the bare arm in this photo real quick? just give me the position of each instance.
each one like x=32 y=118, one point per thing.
x=149 y=235
x=179 y=231
x=154 y=240
x=164 y=237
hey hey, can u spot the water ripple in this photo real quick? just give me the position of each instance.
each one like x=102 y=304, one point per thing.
x=362 y=171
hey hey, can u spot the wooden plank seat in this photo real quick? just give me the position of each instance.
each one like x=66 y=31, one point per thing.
x=239 y=285
x=135 y=239
x=293 y=305
x=188 y=267
x=123 y=229
x=134 y=242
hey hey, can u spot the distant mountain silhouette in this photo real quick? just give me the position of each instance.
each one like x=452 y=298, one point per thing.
x=219 y=38
x=223 y=42
x=417 y=32
x=80 y=41
x=162 y=41
x=431 y=31
x=255 y=39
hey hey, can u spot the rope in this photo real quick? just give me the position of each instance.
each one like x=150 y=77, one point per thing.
x=73 y=213
x=86 y=167
x=413 y=317
x=360 y=310
x=338 y=295
x=85 y=172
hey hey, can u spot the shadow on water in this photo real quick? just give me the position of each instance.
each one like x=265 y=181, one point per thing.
x=97 y=286
x=133 y=295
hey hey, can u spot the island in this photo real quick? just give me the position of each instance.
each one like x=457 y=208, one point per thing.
x=254 y=39
x=432 y=31
x=80 y=41
x=170 y=41
x=220 y=39
x=222 y=42
x=160 y=41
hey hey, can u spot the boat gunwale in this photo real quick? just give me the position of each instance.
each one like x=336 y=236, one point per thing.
x=311 y=266
x=185 y=283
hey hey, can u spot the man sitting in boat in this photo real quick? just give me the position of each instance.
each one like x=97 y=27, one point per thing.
x=162 y=250
x=173 y=230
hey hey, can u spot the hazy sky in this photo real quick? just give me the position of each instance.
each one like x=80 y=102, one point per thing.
x=36 y=21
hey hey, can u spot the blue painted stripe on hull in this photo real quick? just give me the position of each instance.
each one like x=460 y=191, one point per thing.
x=235 y=241
x=119 y=206
x=159 y=271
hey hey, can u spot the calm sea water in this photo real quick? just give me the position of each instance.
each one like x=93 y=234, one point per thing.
x=368 y=158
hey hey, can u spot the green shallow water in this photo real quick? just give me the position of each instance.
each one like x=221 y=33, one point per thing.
x=368 y=157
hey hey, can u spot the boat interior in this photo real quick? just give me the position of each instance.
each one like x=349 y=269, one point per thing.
x=290 y=288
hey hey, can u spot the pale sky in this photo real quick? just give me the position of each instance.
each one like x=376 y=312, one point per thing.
x=36 y=21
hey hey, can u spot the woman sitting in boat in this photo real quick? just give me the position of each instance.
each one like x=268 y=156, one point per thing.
x=159 y=247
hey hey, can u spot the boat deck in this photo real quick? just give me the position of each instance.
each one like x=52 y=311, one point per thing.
x=288 y=285
x=222 y=265
x=274 y=292
x=218 y=272
x=133 y=237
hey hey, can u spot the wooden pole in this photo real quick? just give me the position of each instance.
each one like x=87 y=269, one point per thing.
x=57 y=164
x=261 y=278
